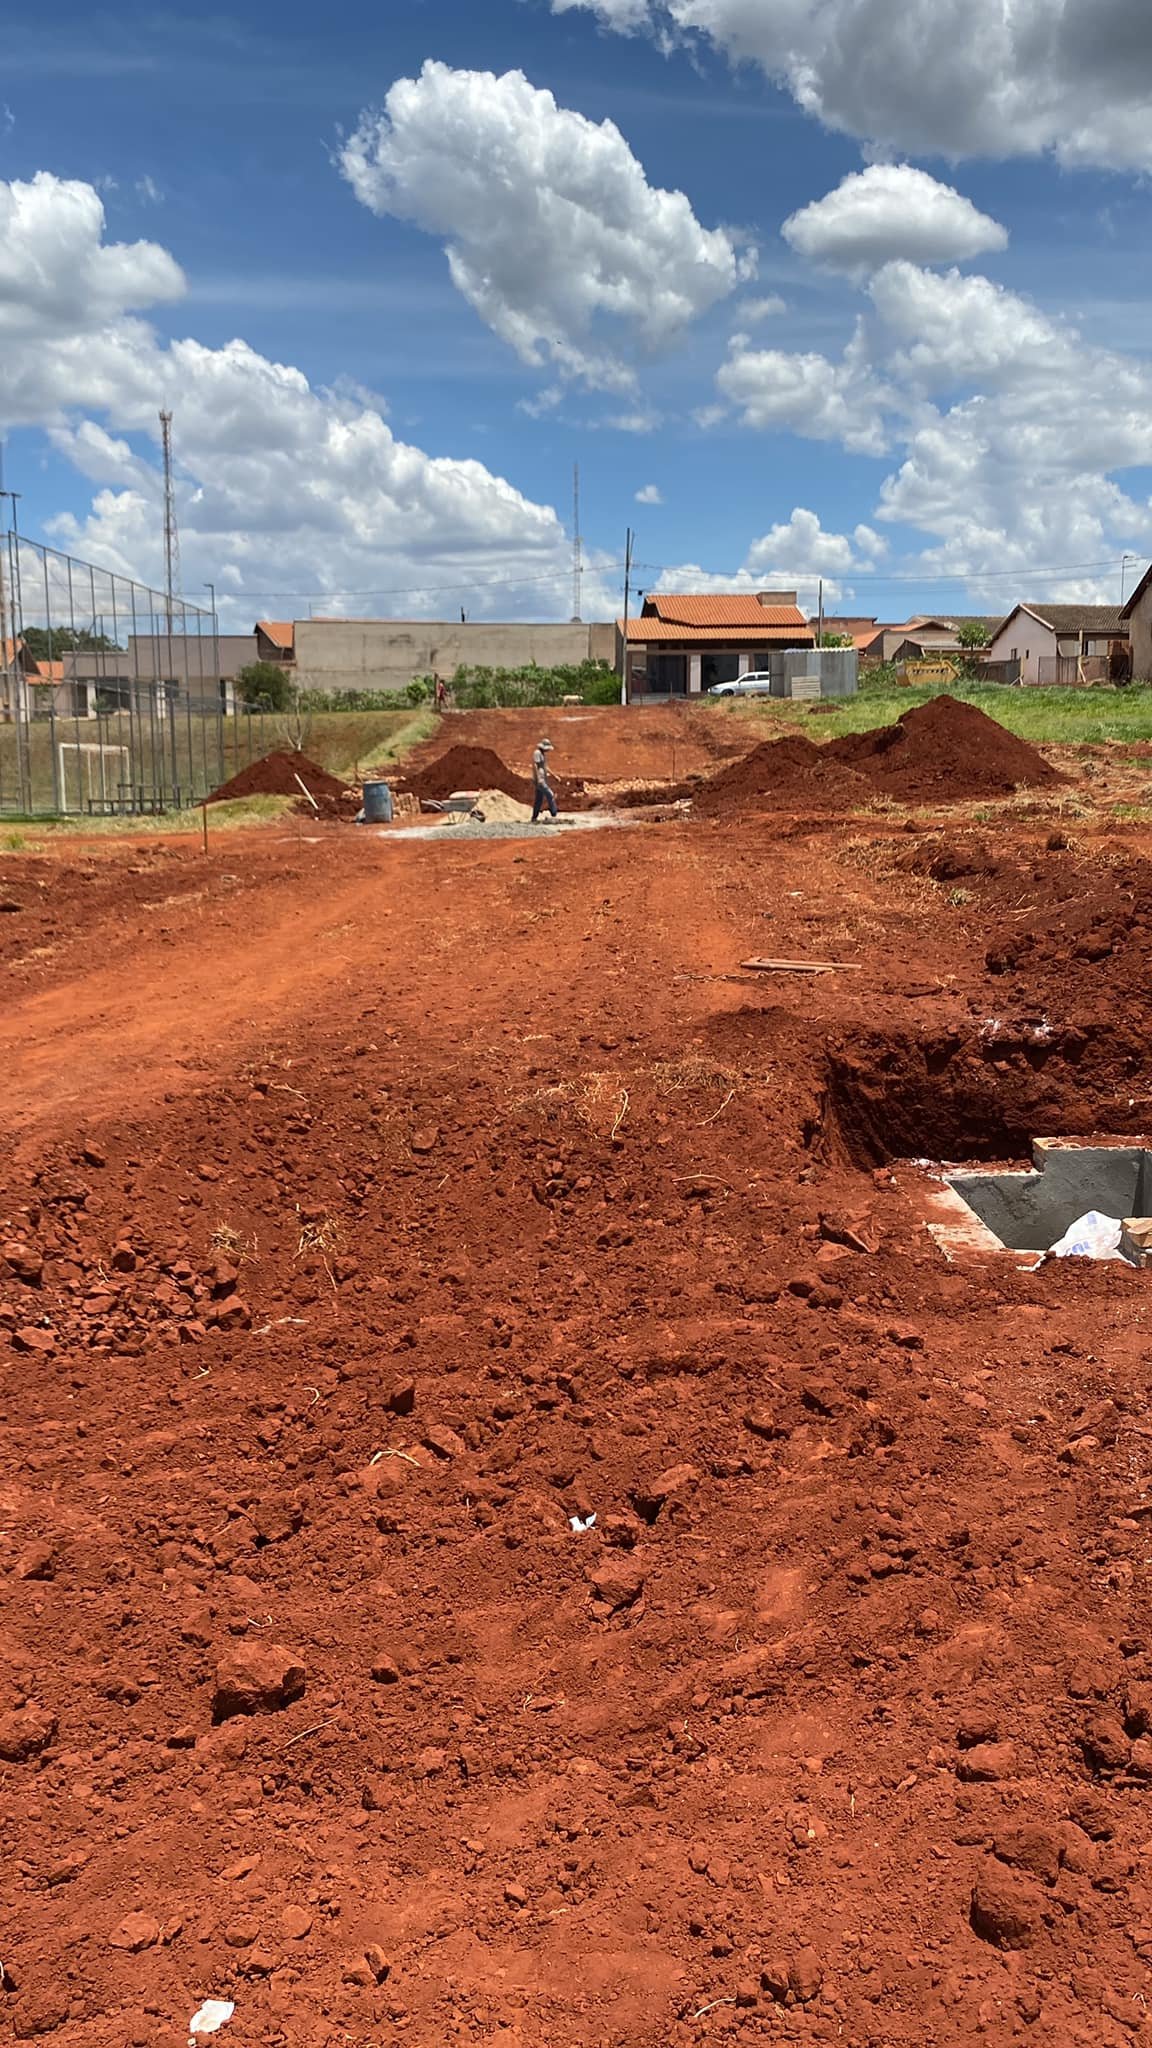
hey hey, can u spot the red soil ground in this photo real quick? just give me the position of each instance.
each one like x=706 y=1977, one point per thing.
x=369 y=1210
x=280 y=774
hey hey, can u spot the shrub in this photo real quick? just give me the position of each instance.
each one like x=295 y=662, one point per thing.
x=264 y=686
x=488 y=689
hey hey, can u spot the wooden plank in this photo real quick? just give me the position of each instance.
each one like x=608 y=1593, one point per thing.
x=803 y=966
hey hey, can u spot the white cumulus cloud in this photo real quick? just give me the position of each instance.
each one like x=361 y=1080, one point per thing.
x=799 y=554
x=887 y=212
x=57 y=274
x=952 y=78
x=283 y=488
x=1009 y=430
x=959 y=329
x=650 y=495
x=810 y=394
x=553 y=233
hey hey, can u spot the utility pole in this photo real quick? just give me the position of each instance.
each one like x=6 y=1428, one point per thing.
x=5 y=666
x=577 y=553
x=18 y=687
x=625 y=678
x=1125 y=559
x=171 y=533
x=820 y=634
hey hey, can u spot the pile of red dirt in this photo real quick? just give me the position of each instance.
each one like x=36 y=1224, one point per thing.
x=279 y=774
x=946 y=750
x=463 y=768
x=793 y=772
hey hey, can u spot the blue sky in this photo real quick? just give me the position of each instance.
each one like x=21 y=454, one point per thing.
x=928 y=476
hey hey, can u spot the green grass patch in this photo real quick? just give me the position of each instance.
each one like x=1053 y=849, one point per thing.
x=346 y=742
x=1048 y=718
x=245 y=813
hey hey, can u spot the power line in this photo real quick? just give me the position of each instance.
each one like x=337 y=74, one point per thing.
x=922 y=578
x=418 y=589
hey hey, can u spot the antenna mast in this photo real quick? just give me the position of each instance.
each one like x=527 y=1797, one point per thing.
x=577 y=552
x=171 y=533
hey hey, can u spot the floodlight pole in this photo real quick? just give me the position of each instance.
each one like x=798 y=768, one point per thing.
x=625 y=678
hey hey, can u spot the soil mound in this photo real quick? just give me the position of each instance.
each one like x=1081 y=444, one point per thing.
x=793 y=772
x=276 y=775
x=478 y=768
x=945 y=749
x=467 y=768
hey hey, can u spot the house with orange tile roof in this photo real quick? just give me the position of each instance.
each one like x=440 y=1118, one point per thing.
x=681 y=646
x=275 y=640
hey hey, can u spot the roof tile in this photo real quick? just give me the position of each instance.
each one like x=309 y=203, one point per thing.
x=722 y=611
x=766 y=634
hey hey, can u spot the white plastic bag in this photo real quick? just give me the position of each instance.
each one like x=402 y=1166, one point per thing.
x=1092 y=1237
x=213 y=2014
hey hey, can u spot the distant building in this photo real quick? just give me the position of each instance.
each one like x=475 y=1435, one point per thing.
x=922 y=637
x=1137 y=616
x=342 y=655
x=1065 y=643
x=275 y=641
x=682 y=646
x=860 y=631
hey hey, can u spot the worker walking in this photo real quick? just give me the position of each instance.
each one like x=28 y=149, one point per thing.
x=541 y=785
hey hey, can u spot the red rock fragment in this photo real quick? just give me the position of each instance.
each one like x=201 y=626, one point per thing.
x=650 y=1499
x=762 y=1423
x=136 y=1932
x=805 y=1975
x=444 y=1442
x=32 y=1338
x=257 y=1679
x=1006 y=1908
x=987 y=1764
x=25 y=1733
x=617 y=1583
x=1105 y=1745
x=24 y=1263
x=38 y=1562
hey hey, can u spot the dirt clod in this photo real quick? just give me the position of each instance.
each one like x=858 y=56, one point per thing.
x=25 y=1733
x=136 y=1932
x=1007 y=1908
x=257 y=1679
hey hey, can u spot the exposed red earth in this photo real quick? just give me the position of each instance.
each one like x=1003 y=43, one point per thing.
x=370 y=1212
x=280 y=774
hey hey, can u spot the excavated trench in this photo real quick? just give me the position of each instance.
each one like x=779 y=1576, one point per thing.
x=982 y=1093
x=1031 y=1211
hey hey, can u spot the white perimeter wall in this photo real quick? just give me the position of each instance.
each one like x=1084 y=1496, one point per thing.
x=387 y=654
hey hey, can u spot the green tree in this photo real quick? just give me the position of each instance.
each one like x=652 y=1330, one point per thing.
x=43 y=645
x=265 y=686
x=973 y=634
x=837 y=640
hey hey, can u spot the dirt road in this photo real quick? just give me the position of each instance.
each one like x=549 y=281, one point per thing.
x=375 y=1214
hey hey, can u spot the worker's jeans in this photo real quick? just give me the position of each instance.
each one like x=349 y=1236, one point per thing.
x=543 y=796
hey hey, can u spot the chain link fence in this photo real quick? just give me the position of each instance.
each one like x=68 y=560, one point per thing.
x=111 y=701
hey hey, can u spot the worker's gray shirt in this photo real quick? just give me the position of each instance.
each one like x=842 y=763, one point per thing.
x=540 y=768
